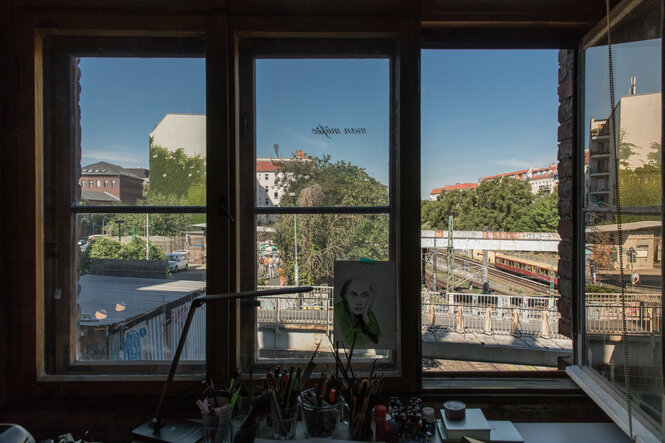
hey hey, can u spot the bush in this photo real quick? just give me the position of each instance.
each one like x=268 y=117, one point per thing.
x=107 y=248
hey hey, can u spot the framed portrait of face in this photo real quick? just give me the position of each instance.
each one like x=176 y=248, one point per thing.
x=365 y=304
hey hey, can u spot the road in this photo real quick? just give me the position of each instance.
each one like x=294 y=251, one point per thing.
x=193 y=273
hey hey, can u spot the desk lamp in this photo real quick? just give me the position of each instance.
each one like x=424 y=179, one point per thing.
x=183 y=431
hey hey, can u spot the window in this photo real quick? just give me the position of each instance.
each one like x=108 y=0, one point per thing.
x=334 y=191
x=621 y=309
x=91 y=183
x=266 y=177
x=113 y=183
x=128 y=325
x=106 y=183
x=479 y=251
x=276 y=194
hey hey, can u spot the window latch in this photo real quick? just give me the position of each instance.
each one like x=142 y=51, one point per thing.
x=222 y=208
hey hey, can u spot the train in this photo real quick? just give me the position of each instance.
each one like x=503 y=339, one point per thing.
x=529 y=268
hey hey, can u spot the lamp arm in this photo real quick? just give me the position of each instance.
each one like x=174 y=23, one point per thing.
x=196 y=303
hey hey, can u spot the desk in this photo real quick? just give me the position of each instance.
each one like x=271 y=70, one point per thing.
x=571 y=432
x=531 y=432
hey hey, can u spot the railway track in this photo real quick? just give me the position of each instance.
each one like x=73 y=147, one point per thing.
x=497 y=275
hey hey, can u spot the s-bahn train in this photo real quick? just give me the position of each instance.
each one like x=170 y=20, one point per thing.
x=528 y=268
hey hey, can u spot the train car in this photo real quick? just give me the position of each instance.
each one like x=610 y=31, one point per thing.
x=528 y=268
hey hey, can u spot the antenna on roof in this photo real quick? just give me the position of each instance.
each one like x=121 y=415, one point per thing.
x=276 y=146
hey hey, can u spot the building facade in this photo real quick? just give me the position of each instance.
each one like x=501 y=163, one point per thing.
x=104 y=183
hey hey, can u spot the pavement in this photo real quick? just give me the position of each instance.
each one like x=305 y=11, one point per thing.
x=106 y=300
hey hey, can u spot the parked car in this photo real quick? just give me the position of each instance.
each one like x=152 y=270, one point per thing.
x=178 y=261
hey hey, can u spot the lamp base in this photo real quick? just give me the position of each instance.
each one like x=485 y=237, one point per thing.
x=173 y=430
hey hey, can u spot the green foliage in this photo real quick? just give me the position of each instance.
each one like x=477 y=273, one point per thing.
x=160 y=224
x=625 y=150
x=495 y=205
x=541 y=216
x=175 y=173
x=107 y=248
x=135 y=250
x=324 y=238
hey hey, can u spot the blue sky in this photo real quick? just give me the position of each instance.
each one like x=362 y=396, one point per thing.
x=483 y=111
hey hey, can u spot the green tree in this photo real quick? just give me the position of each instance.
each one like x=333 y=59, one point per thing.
x=541 y=216
x=324 y=238
x=160 y=224
x=178 y=174
x=495 y=205
x=654 y=156
x=625 y=150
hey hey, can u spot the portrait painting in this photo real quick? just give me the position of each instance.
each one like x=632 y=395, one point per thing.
x=365 y=304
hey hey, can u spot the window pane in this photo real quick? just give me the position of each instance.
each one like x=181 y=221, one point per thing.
x=134 y=295
x=142 y=131
x=302 y=250
x=489 y=153
x=314 y=115
x=631 y=244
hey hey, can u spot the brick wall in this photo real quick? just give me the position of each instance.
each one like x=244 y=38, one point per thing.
x=565 y=137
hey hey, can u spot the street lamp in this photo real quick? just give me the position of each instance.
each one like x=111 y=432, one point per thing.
x=295 y=241
x=119 y=222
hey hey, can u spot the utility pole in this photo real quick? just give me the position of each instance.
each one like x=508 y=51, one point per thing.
x=552 y=277
x=450 y=281
x=147 y=236
x=434 y=265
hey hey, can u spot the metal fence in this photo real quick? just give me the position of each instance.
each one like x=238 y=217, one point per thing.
x=606 y=318
x=491 y=314
x=155 y=334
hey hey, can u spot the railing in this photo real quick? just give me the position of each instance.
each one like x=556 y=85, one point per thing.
x=491 y=314
x=641 y=318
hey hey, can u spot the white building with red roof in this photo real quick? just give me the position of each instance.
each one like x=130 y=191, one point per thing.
x=457 y=186
x=270 y=183
x=540 y=179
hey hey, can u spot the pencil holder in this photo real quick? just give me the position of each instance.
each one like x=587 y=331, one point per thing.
x=321 y=420
x=258 y=402
x=284 y=422
x=218 y=428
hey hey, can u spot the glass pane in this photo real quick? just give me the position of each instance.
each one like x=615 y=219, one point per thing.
x=626 y=250
x=302 y=250
x=143 y=124
x=134 y=295
x=322 y=132
x=489 y=190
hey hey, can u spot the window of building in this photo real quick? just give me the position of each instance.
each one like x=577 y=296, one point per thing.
x=91 y=183
x=276 y=194
x=266 y=176
x=113 y=183
x=127 y=325
x=106 y=183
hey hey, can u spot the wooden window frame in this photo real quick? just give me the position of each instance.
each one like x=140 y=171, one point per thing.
x=61 y=123
x=607 y=396
x=340 y=45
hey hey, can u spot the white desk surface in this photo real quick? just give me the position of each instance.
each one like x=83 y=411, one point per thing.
x=531 y=433
x=571 y=432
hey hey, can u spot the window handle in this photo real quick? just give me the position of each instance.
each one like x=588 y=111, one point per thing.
x=221 y=206
x=247 y=303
